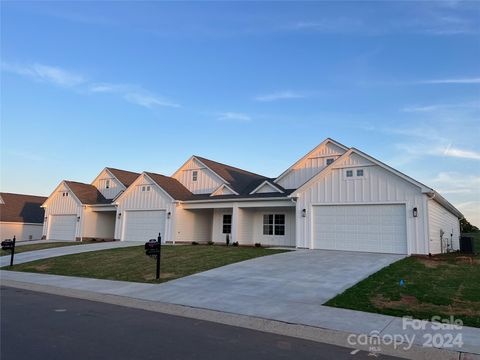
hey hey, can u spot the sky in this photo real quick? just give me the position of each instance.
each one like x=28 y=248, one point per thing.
x=145 y=85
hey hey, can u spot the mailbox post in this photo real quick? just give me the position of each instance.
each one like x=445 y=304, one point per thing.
x=153 y=247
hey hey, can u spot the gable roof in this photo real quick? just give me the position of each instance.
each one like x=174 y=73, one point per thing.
x=22 y=208
x=125 y=177
x=171 y=186
x=221 y=187
x=237 y=178
x=269 y=183
x=324 y=142
x=86 y=193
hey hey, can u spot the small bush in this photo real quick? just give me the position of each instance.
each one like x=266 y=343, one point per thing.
x=258 y=245
x=210 y=242
x=235 y=243
x=194 y=243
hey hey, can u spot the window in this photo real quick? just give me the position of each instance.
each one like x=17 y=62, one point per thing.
x=274 y=224
x=107 y=184
x=148 y=188
x=143 y=188
x=329 y=161
x=194 y=175
x=227 y=224
x=360 y=172
x=349 y=173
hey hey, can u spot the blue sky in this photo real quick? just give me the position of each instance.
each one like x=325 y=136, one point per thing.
x=144 y=85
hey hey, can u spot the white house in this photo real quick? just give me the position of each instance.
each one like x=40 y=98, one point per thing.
x=21 y=216
x=334 y=197
x=77 y=211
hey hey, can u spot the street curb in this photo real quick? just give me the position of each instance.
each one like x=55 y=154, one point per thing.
x=311 y=333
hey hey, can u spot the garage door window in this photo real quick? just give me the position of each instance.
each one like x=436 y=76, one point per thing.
x=274 y=224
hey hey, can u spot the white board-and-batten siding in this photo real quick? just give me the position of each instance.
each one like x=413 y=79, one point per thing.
x=440 y=219
x=137 y=199
x=309 y=167
x=377 y=186
x=115 y=187
x=59 y=205
x=21 y=231
x=207 y=181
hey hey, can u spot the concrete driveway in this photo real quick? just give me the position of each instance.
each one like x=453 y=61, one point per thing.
x=276 y=284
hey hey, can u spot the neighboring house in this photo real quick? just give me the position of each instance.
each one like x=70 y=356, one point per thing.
x=334 y=197
x=21 y=216
x=76 y=211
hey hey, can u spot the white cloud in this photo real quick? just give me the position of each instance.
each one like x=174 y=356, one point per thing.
x=468 y=80
x=234 y=116
x=134 y=94
x=439 y=107
x=281 y=95
x=46 y=73
x=61 y=77
x=460 y=153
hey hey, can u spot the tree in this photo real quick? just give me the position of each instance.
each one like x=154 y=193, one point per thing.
x=466 y=227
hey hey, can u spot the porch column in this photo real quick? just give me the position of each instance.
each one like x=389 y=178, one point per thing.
x=235 y=224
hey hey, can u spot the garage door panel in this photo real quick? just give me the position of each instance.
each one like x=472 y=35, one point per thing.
x=144 y=225
x=372 y=228
x=62 y=227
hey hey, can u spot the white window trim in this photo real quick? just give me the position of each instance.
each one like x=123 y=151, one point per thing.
x=273 y=224
x=354 y=173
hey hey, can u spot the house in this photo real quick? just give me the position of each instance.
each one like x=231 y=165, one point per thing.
x=78 y=211
x=21 y=216
x=334 y=197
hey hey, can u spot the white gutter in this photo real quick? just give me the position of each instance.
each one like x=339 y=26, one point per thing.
x=234 y=200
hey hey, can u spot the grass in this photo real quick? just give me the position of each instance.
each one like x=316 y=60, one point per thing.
x=131 y=263
x=443 y=285
x=33 y=247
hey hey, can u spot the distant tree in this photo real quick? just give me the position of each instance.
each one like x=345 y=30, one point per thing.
x=467 y=227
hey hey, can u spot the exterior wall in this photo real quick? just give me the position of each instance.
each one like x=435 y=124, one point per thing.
x=310 y=166
x=251 y=225
x=440 y=219
x=376 y=187
x=193 y=225
x=115 y=186
x=21 y=231
x=57 y=204
x=206 y=183
x=99 y=224
x=217 y=225
x=155 y=199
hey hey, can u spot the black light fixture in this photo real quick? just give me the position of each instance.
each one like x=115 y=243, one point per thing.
x=415 y=212
x=119 y=215
x=169 y=214
x=78 y=218
x=304 y=212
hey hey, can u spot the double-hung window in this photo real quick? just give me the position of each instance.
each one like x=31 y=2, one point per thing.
x=274 y=224
x=227 y=224
x=194 y=175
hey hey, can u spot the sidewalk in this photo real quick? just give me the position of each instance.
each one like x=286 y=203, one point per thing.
x=323 y=317
x=64 y=250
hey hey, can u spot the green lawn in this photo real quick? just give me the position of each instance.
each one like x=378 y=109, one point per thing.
x=32 y=247
x=443 y=285
x=131 y=263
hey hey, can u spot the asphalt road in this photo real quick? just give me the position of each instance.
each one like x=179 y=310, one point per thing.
x=42 y=326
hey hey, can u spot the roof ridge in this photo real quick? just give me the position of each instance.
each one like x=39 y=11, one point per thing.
x=18 y=194
x=112 y=168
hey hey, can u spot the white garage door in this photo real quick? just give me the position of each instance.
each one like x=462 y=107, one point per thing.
x=144 y=225
x=371 y=228
x=62 y=227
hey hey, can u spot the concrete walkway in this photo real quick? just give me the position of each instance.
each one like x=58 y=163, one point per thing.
x=64 y=250
x=258 y=288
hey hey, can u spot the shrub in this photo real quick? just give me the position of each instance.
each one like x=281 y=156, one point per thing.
x=258 y=245
x=194 y=243
x=235 y=243
x=210 y=242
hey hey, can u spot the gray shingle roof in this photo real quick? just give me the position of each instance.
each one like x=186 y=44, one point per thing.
x=22 y=208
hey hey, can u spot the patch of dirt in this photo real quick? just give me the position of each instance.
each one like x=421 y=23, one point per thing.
x=42 y=268
x=407 y=302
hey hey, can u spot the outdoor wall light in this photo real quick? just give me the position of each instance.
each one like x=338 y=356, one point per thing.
x=46 y=218
x=119 y=215
x=78 y=218
x=415 y=212
x=304 y=212
x=169 y=214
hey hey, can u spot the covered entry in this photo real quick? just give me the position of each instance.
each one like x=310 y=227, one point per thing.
x=370 y=228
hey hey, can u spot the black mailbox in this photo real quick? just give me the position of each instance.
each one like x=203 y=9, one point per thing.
x=152 y=247
x=7 y=244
